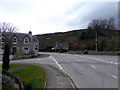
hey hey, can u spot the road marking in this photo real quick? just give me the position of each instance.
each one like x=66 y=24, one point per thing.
x=92 y=66
x=114 y=76
x=56 y=63
x=111 y=62
x=116 y=63
x=72 y=79
x=107 y=61
x=76 y=55
x=100 y=60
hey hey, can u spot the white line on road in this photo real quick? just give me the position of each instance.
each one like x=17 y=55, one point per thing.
x=57 y=63
x=98 y=60
x=116 y=63
x=107 y=61
x=76 y=55
x=111 y=62
x=114 y=76
x=102 y=60
x=92 y=66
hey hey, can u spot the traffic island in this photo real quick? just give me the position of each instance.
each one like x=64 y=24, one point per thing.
x=31 y=76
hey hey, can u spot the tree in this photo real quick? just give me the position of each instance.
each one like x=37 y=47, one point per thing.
x=75 y=46
x=7 y=27
x=111 y=23
x=6 y=59
x=95 y=25
x=101 y=24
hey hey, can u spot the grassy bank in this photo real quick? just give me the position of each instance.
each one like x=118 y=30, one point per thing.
x=31 y=76
x=12 y=66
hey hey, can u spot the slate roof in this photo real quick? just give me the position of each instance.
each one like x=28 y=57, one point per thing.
x=35 y=38
x=20 y=36
x=61 y=46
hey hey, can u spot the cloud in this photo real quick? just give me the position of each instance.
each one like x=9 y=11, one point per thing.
x=48 y=16
x=93 y=10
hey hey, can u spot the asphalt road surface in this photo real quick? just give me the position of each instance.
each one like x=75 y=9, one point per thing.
x=87 y=71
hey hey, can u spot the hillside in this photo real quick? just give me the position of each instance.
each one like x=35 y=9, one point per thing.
x=81 y=39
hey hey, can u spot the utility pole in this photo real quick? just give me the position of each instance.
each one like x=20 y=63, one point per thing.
x=96 y=43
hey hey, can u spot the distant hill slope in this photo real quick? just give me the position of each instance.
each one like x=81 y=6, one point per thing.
x=81 y=39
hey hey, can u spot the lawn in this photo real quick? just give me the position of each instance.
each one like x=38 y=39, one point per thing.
x=32 y=76
x=12 y=66
x=0 y=68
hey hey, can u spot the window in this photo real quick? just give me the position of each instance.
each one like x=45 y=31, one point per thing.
x=26 y=50
x=2 y=40
x=2 y=50
x=36 y=41
x=36 y=50
x=14 y=40
x=14 y=50
x=26 y=40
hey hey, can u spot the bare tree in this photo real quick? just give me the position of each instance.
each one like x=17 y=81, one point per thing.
x=94 y=25
x=7 y=27
x=101 y=24
x=111 y=23
x=98 y=24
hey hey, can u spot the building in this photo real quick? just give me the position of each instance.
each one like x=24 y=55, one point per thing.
x=61 y=46
x=20 y=42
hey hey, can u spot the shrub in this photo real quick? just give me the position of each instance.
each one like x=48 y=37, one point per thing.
x=22 y=54
x=31 y=54
x=16 y=55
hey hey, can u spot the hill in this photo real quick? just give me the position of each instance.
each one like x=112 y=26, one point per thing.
x=81 y=39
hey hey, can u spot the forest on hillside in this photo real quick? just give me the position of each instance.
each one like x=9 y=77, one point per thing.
x=82 y=40
x=102 y=32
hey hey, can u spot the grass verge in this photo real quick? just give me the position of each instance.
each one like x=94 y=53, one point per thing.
x=12 y=66
x=32 y=76
x=0 y=68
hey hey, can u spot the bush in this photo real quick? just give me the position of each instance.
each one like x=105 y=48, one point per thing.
x=22 y=54
x=16 y=55
x=27 y=85
x=31 y=54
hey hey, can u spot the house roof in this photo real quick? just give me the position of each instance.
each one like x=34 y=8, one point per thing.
x=20 y=36
x=61 y=46
x=35 y=38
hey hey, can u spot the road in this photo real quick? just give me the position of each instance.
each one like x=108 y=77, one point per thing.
x=55 y=78
x=87 y=71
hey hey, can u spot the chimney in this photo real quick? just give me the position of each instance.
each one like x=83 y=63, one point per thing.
x=30 y=32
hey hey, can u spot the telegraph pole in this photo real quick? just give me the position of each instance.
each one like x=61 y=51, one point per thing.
x=96 y=43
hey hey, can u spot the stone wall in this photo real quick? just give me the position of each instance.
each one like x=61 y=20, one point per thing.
x=11 y=81
x=99 y=52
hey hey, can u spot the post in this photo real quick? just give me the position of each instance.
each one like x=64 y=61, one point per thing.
x=96 y=43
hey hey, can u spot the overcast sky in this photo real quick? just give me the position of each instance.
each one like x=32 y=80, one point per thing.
x=48 y=16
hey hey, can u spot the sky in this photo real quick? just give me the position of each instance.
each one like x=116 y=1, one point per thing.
x=49 y=16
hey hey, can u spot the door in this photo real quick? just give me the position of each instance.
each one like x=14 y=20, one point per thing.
x=14 y=50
